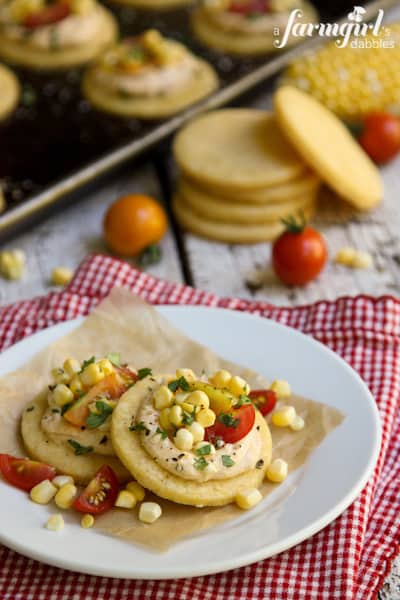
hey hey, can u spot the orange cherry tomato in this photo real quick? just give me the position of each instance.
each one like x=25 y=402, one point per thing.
x=299 y=254
x=380 y=136
x=265 y=400
x=133 y=223
x=24 y=473
x=100 y=494
x=48 y=15
x=232 y=426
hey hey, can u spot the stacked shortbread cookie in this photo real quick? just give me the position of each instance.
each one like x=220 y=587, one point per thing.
x=239 y=177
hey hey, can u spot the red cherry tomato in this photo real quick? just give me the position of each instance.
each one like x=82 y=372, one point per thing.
x=250 y=7
x=24 y=473
x=299 y=254
x=48 y=15
x=100 y=494
x=380 y=137
x=233 y=425
x=265 y=400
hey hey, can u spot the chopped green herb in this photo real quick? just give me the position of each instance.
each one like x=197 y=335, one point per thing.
x=188 y=418
x=145 y=372
x=204 y=450
x=137 y=53
x=228 y=420
x=114 y=358
x=180 y=383
x=86 y=363
x=66 y=407
x=227 y=461
x=138 y=427
x=200 y=463
x=162 y=432
x=150 y=256
x=94 y=420
x=79 y=449
x=243 y=399
x=30 y=409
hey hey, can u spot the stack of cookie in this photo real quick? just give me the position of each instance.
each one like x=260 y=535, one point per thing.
x=239 y=177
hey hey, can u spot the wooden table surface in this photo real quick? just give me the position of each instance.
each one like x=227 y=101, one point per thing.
x=67 y=237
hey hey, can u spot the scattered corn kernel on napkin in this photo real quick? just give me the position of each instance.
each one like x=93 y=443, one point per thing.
x=347 y=559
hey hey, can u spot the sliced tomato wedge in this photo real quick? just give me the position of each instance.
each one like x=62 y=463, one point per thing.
x=48 y=15
x=111 y=387
x=265 y=400
x=100 y=494
x=232 y=426
x=250 y=7
x=24 y=473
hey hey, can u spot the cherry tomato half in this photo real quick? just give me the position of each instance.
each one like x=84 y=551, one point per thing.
x=24 y=473
x=232 y=426
x=380 y=137
x=250 y=7
x=46 y=16
x=100 y=494
x=265 y=400
x=299 y=254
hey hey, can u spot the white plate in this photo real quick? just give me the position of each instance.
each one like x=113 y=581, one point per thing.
x=330 y=481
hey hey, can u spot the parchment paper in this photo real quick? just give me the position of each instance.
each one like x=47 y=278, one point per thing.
x=124 y=323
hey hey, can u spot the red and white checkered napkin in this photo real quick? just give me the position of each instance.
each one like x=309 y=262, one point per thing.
x=347 y=559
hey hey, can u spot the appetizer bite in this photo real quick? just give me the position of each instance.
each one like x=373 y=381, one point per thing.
x=68 y=425
x=10 y=92
x=149 y=77
x=246 y=27
x=194 y=441
x=60 y=35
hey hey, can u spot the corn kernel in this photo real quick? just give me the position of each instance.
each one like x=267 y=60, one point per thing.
x=297 y=424
x=221 y=378
x=61 y=480
x=12 y=264
x=81 y=7
x=106 y=366
x=180 y=397
x=75 y=385
x=238 y=386
x=61 y=276
x=361 y=260
x=60 y=376
x=248 y=498
x=206 y=417
x=43 y=492
x=175 y=415
x=201 y=444
x=149 y=512
x=55 y=523
x=65 y=496
x=189 y=408
x=283 y=416
x=136 y=489
x=345 y=256
x=71 y=366
x=197 y=431
x=87 y=521
x=62 y=395
x=187 y=374
x=163 y=398
x=183 y=439
x=92 y=375
x=198 y=398
x=125 y=499
x=164 y=418
x=281 y=388
x=277 y=471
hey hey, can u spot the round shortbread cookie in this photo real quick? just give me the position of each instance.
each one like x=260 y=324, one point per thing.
x=217 y=209
x=308 y=184
x=234 y=42
x=10 y=91
x=327 y=146
x=203 y=83
x=61 y=455
x=231 y=233
x=239 y=147
x=21 y=52
x=165 y=484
